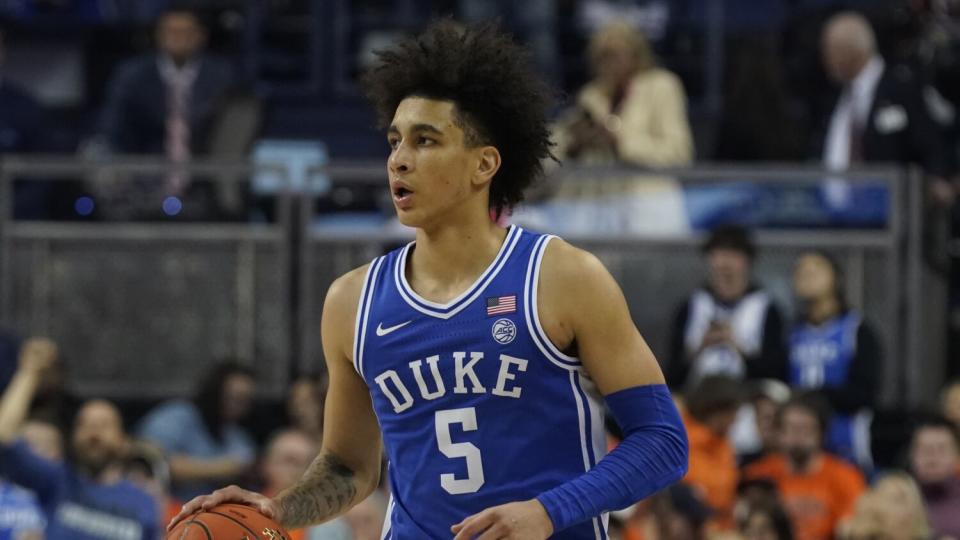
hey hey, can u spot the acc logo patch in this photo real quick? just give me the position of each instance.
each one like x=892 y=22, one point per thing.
x=504 y=331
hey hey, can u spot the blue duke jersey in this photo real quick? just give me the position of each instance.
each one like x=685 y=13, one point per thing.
x=821 y=357
x=477 y=407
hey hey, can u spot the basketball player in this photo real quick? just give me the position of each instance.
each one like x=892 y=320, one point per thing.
x=479 y=353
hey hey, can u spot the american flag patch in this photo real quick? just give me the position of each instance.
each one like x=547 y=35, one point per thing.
x=498 y=305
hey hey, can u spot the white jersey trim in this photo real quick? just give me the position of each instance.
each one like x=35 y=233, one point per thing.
x=584 y=409
x=363 y=313
x=597 y=436
x=458 y=304
x=532 y=314
x=387 y=520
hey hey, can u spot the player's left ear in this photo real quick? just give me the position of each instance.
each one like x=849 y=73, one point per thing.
x=488 y=163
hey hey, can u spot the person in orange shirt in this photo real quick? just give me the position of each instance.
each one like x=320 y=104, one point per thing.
x=818 y=489
x=711 y=407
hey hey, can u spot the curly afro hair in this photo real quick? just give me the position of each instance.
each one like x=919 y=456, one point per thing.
x=499 y=99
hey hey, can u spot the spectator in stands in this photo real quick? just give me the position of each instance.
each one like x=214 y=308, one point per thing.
x=165 y=102
x=730 y=325
x=305 y=405
x=835 y=352
x=950 y=402
x=892 y=509
x=10 y=348
x=679 y=514
x=631 y=111
x=880 y=114
x=818 y=489
x=287 y=456
x=366 y=519
x=85 y=498
x=44 y=439
x=21 y=517
x=766 y=520
x=53 y=401
x=711 y=407
x=146 y=467
x=752 y=492
x=765 y=397
x=935 y=463
x=203 y=438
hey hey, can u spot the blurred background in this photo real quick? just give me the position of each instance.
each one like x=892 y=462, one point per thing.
x=772 y=182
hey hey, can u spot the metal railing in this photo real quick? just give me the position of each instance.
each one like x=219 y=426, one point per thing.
x=154 y=301
x=139 y=307
x=657 y=272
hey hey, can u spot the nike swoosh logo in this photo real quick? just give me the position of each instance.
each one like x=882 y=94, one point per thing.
x=381 y=331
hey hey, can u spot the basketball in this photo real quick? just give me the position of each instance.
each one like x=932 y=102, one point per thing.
x=228 y=522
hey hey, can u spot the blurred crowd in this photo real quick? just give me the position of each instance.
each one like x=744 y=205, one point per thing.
x=808 y=81
x=79 y=469
x=788 y=439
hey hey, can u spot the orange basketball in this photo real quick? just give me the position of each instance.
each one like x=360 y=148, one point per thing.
x=228 y=522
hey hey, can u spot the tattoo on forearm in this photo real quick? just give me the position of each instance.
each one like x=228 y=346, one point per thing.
x=325 y=489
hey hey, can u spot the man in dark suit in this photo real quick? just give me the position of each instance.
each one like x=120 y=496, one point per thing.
x=881 y=114
x=164 y=102
x=148 y=93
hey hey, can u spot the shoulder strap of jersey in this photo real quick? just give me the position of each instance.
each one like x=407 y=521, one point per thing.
x=363 y=312
x=530 y=294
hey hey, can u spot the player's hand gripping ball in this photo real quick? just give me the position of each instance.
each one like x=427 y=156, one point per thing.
x=228 y=522
x=217 y=517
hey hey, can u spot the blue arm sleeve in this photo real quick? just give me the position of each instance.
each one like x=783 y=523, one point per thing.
x=21 y=466
x=652 y=455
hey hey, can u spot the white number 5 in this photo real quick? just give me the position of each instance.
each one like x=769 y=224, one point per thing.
x=474 y=480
